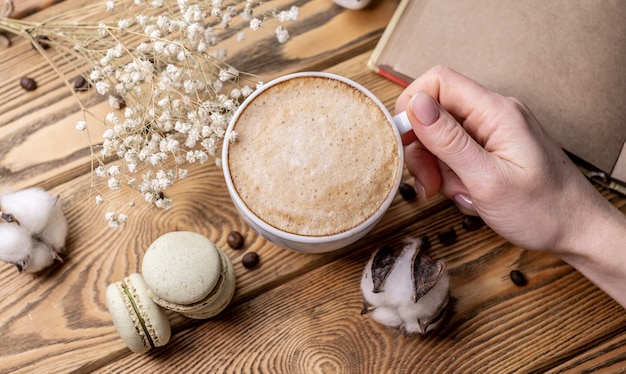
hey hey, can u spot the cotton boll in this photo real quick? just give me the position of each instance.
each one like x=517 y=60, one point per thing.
x=31 y=207
x=15 y=245
x=34 y=229
x=370 y=297
x=386 y=316
x=41 y=257
x=55 y=231
x=399 y=284
x=405 y=289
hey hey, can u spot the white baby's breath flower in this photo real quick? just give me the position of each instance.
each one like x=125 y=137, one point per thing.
x=246 y=14
x=112 y=119
x=114 y=170
x=123 y=24
x=164 y=203
x=226 y=19
x=161 y=62
x=115 y=220
x=255 y=23
x=114 y=184
x=115 y=101
x=282 y=35
x=289 y=15
x=246 y=91
x=103 y=29
x=103 y=88
x=232 y=137
x=132 y=167
x=100 y=171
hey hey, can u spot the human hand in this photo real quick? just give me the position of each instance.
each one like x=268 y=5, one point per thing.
x=490 y=155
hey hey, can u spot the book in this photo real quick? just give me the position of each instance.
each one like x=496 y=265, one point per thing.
x=565 y=59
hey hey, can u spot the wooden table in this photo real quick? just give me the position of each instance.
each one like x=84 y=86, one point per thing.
x=295 y=313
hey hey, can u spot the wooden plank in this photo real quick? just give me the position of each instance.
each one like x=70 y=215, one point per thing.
x=608 y=357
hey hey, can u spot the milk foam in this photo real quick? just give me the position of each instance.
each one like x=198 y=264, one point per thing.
x=314 y=156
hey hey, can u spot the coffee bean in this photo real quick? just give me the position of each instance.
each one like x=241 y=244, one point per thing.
x=472 y=223
x=518 y=278
x=447 y=237
x=28 y=84
x=250 y=260
x=235 y=240
x=407 y=191
x=81 y=83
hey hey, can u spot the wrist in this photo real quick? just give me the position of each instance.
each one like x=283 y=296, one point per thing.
x=596 y=245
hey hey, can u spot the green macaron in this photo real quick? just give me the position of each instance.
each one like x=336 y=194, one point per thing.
x=141 y=323
x=187 y=273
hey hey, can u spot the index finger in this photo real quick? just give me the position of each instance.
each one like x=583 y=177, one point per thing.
x=463 y=98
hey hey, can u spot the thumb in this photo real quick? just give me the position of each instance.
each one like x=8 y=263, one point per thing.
x=443 y=136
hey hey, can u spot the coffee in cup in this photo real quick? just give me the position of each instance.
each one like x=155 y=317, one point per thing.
x=316 y=161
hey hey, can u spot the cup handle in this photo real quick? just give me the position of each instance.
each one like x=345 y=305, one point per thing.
x=402 y=123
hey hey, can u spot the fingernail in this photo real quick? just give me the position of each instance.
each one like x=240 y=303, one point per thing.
x=424 y=108
x=465 y=201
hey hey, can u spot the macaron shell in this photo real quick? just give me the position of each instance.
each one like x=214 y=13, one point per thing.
x=181 y=267
x=214 y=302
x=221 y=302
x=156 y=326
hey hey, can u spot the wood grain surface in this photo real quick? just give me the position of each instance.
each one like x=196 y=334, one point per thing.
x=294 y=313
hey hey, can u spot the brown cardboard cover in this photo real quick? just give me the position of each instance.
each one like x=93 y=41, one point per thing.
x=566 y=59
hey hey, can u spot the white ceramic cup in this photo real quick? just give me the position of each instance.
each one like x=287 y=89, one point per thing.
x=304 y=243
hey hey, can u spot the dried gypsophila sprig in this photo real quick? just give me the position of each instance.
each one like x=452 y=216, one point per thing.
x=405 y=289
x=161 y=67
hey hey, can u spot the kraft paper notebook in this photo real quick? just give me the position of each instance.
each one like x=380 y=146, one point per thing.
x=566 y=59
